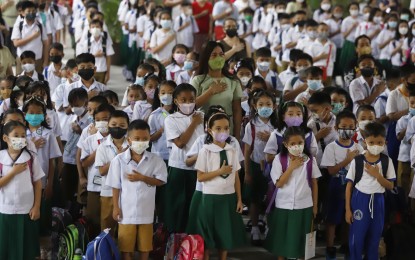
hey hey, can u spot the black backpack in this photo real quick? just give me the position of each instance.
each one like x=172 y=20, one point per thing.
x=359 y=166
x=104 y=42
x=38 y=24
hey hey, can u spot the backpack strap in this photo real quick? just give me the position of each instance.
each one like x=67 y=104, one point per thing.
x=180 y=21
x=38 y=24
x=322 y=142
x=104 y=42
x=384 y=160
x=293 y=81
x=45 y=72
x=359 y=166
x=279 y=142
x=253 y=134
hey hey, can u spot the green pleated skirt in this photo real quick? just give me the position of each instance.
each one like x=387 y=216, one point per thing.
x=347 y=54
x=194 y=223
x=124 y=50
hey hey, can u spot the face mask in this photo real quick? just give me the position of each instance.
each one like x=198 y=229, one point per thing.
x=410 y=86
x=265 y=112
x=220 y=137
x=354 y=13
x=323 y=35
x=248 y=18
x=117 y=132
x=365 y=50
x=232 y=32
x=312 y=34
x=186 y=108
x=314 y=84
x=337 y=108
x=35 y=119
x=86 y=74
x=367 y=72
x=95 y=32
x=338 y=15
x=316 y=117
x=165 y=24
x=325 y=7
x=403 y=30
x=405 y=17
x=139 y=81
x=244 y=81
x=300 y=23
x=346 y=134
x=150 y=93
x=412 y=111
x=30 y=16
x=366 y=16
x=392 y=24
x=166 y=99
x=363 y=124
x=188 y=65
x=296 y=150
x=91 y=119
x=78 y=110
x=293 y=121
x=139 y=147
x=18 y=143
x=179 y=58
x=375 y=149
x=263 y=66
x=75 y=77
x=300 y=1
x=6 y=93
x=102 y=126
x=217 y=63
x=55 y=59
x=28 y=67
x=377 y=19
x=285 y=27
x=301 y=71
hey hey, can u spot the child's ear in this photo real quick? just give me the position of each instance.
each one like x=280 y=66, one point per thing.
x=5 y=138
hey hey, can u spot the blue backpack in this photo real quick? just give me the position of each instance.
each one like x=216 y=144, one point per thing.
x=102 y=248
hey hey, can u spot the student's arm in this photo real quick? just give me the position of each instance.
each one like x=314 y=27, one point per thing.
x=103 y=170
x=369 y=100
x=182 y=140
x=295 y=163
x=107 y=74
x=45 y=53
x=221 y=15
x=290 y=45
x=24 y=41
x=349 y=158
x=83 y=181
x=374 y=171
x=16 y=169
x=172 y=3
x=116 y=212
x=314 y=184
x=269 y=157
x=239 y=205
x=207 y=176
x=292 y=94
x=237 y=118
x=34 y=213
x=201 y=14
x=397 y=115
x=235 y=48
x=154 y=137
x=89 y=160
x=161 y=46
x=401 y=135
x=247 y=160
x=49 y=186
x=349 y=215
x=348 y=31
x=383 y=119
x=385 y=43
x=184 y=26
x=136 y=176
x=396 y=50
x=190 y=161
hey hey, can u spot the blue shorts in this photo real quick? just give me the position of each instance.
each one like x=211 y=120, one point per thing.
x=335 y=201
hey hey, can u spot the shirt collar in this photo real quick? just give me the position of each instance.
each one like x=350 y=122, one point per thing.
x=128 y=159
x=110 y=142
x=364 y=82
x=215 y=148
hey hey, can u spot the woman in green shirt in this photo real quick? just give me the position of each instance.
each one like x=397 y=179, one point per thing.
x=215 y=86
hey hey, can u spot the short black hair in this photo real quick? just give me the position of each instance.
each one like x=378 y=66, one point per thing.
x=186 y=3
x=301 y=12
x=138 y=125
x=120 y=114
x=320 y=98
x=314 y=71
x=365 y=108
x=363 y=36
x=28 y=55
x=146 y=66
x=104 y=108
x=294 y=54
x=395 y=73
x=77 y=94
x=96 y=21
x=23 y=82
x=407 y=70
x=304 y=56
x=57 y=46
x=345 y=114
x=98 y=99
x=139 y=88
x=85 y=58
x=28 y=4
x=311 y=23
x=374 y=129
x=109 y=94
x=364 y=57
x=71 y=64
x=412 y=93
x=263 y=52
x=282 y=16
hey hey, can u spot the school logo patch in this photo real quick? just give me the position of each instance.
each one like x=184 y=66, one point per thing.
x=358 y=214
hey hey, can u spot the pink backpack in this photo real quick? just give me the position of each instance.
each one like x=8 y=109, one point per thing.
x=173 y=245
x=192 y=247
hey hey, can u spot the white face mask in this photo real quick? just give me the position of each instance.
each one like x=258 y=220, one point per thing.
x=296 y=150
x=166 y=99
x=186 y=108
x=375 y=149
x=325 y=7
x=354 y=13
x=78 y=110
x=95 y=32
x=102 y=126
x=18 y=143
x=363 y=124
x=244 y=81
x=403 y=30
x=377 y=19
x=28 y=67
x=139 y=147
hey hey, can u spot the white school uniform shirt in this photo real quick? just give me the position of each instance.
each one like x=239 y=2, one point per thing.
x=175 y=125
x=4 y=106
x=50 y=150
x=141 y=22
x=286 y=76
x=220 y=7
x=257 y=154
x=335 y=153
x=275 y=39
x=398 y=59
x=53 y=121
x=271 y=146
x=298 y=82
x=317 y=48
x=359 y=89
x=410 y=130
x=158 y=37
x=402 y=125
x=85 y=134
x=260 y=39
x=385 y=35
x=69 y=151
x=17 y=197
x=142 y=110
x=96 y=86
x=137 y=199
x=89 y=146
x=369 y=184
x=296 y=193
x=331 y=137
x=156 y=121
x=412 y=154
x=56 y=19
x=348 y=23
x=320 y=16
x=407 y=46
x=129 y=112
x=334 y=26
x=106 y=152
x=132 y=22
x=305 y=44
x=172 y=71
x=184 y=77
x=35 y=45
x=245 y=27
x=208 y=160
x=35 y=75
x=49 y=74
x=97 y=46
x=304 y=96
x=396 y=101
x=272 y=80
x=292 y=35
x=186 y=35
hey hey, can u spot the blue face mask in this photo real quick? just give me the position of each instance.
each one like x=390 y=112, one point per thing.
x=412 y=111
x=35 y=119
x=139 y=81
x=265 y=112
x=90 y=119
x=314 y=84
x=188 y=65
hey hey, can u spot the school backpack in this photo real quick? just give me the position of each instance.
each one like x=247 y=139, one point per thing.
x=160 y=237
x=38 y=24
x=173 y=245
x=102 y=248
x=104 y=42
x=60 y=219
x=192 y=247
x=272 y=188
x=72 y=239
x=359 y=166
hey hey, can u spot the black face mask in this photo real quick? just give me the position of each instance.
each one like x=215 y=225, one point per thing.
x=410 y=86
x=367 y=72
x=86 y=74
x=55 y=59
x=30 y=16
x=117 y=132
x=231 y=32
x=300 y=23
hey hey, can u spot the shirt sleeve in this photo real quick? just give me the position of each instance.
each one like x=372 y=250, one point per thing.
x=392 y=103
x=114 y=174
x=328 y=158
x=160 y=170
x=276 y=170
x=356 y=92
x=248 y=134
x=351 y=173
x=153 y=40
x=170 y=129
x=85 y=149
x=316 y=171
x=271 y=147
x=196 y=147
x=201 y=163
x=36 y=169
x=313 y=145
x=195 y=82
x=237 y=93
x=152 y=124
x=410 y=130
x=54 y=150
x=16 y=33
x=236 y=166
x=390 y=174
x=100 y=156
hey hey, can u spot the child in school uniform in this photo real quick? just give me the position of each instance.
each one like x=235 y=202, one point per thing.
x=217 y=168
x=257 y=132
x=151 y=84
x=143 y=72
x=27 y=58
x=185 y=26
x=336 y=158
x=133 y=95
x=291 y=36
x=133 y=176
x=190 y=67
x=19 y=208
x=365 y=115
x=275 y=40
x=310 y=36
x=339 y=100
x=314 y=77
x=298 y=84
x=365 y=203
x=295 y=204
x=88 y=154
x=371 y=28
x=263 y=63
x=163 y=39
x=386 y=36
x=142 y=108
x=52 y=73
x=181 y=129
x=395 y=47
x=288 y=74
x=348 y=29
x=115 y=144
x=178 y=58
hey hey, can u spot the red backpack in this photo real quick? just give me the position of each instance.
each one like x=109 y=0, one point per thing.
x=192 y=247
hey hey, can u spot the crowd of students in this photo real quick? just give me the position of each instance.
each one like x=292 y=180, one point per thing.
x=225 y=98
